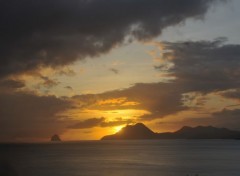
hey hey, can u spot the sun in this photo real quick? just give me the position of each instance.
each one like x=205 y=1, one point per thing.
x=117 y=128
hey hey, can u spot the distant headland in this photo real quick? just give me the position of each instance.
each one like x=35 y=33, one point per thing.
x=140 y=131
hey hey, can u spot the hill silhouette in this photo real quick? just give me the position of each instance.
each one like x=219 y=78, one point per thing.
x=140 y=131
x=137 y=131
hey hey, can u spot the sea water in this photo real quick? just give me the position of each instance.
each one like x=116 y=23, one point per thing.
x=122 y=158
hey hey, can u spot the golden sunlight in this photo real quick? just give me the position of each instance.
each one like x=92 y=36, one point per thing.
x=118 y=128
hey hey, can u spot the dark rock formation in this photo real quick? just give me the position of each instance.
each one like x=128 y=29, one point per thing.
x=55 y=138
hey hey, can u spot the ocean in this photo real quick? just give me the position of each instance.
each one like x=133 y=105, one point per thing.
x=122 y=158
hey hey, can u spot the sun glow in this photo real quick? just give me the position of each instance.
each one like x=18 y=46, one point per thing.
x=118 y=128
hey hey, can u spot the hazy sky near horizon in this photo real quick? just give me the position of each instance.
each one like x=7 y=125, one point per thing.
x=85 y=68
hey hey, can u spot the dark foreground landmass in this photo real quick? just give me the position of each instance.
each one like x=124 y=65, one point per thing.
x=140 y=131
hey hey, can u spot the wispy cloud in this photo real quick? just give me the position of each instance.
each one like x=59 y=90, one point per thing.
x=115 y=71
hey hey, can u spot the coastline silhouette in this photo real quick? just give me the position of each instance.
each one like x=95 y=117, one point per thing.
x=140 y=131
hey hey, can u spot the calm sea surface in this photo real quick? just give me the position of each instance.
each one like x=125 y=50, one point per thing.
x=123 y=158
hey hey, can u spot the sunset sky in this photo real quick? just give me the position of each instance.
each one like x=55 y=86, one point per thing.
x=85 y=68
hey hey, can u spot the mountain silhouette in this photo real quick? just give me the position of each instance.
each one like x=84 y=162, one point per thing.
x=140 y=131
x=55 y=138
x=208 y=132
x=137 y=131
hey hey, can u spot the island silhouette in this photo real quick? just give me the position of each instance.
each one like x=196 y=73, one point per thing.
x=140 y=131
x=55 y=138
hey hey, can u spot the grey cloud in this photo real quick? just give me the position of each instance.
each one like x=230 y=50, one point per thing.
x=204 y=66
x=115 y=71
x=225 y=118
x=89 y=123
x=116 y=122
x=232 y=94
x=228 y=117
x=58 y=32
x=26 y=115
x=86 y=100
x=160 y=99
x=10 y=85
x=68 y=87
x=67 y=72
x=99 y=122
x=48 y=82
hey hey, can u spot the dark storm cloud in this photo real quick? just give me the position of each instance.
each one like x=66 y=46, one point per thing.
x=26 y=115
x=99 y=122
x=204 y=66
x=53 y=33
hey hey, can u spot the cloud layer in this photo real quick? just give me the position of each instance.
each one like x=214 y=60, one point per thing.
x=54 y=33
x=99 y=122
x=26 y=115
x=200 y=68
x=203 y=66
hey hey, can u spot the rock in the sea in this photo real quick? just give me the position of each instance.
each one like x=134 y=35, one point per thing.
x=55 y=138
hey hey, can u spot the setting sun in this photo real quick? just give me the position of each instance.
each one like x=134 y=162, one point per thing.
x=118 y=128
